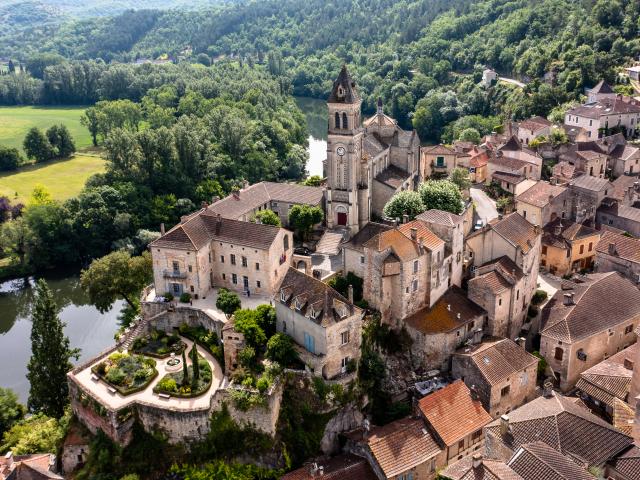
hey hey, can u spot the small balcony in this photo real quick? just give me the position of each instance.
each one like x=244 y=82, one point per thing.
x=174 y=274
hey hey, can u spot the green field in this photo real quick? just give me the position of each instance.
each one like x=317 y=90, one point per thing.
x=64 y=179
x=16 y=121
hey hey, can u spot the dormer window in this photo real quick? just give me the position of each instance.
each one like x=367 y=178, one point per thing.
x=313 y=313
x=298 y=305
x=340 y=91
x=283 y=296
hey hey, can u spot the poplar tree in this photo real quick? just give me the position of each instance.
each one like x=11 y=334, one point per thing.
x=50 y=356
x=196 y=366
x=185 y=369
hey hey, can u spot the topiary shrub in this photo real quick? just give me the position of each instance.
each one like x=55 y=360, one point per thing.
x=185 y=297
x=116 y=376
x=168 y=296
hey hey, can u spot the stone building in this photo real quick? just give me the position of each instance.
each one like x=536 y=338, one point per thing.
x=475 y=160
x=536 y=460
x=612 y=214
x=562 y=424
x=586 y=322
x=206 y=250
x=407 y=268
x=340 y=467
x=568 y=247
x=233 y=342
x=543 y=203
x=500 y=287
x=437 y=160
x=514 y=149
x=437 y=331
x=600 y=116
x=455 y=416
x=502 y=372
x=353 y=256
x=532 y=128
x=587 y=194
x=515 y=238
x=243 y=204
x=477 y=467
x=402 y=449
x=367 y=163
x=326 y=327
x=619 y=253
x=37 y=466
x=626 y=190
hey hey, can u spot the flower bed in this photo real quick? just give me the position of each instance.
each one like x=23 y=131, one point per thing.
x=158 y=344
x=126 y=373
x=206 y=339
x=172 y=383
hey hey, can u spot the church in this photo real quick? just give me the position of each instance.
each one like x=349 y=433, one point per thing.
x=367 y=162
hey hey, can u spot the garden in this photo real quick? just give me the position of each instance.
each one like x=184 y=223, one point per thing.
x=190 y=381
x=126 y=373
x=158 y=344
x=206 y=339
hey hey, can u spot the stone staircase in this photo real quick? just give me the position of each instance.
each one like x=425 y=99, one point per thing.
x=138 y=328
x=330 y=241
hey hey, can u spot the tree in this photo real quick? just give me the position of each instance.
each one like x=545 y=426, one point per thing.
x=36 y=434
x=228 y=302
x=10 y=158
x=195 y=366
x=40 y=195
x=470 y=135
x=37 y=146
x=267 y=319
x=441 y=195
x=247 y=322
x=460 y=176
x=50 y=356
x=185 y=368
x=15 y=238
x=280 y=349
x=268 y=217
x=91 y=120
x=313 y=181
x=61 y=141
x=116 y=275
x=403 y=203
x=11 y=410
x=304 y=217
x=11 y=67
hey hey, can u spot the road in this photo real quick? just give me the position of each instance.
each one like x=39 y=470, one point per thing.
x=512 y=81
x=485 y=207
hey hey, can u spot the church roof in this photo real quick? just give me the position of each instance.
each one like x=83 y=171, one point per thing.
x=344 y=89
x=602 y=87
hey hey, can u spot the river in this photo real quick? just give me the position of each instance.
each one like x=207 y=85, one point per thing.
x=87 y=328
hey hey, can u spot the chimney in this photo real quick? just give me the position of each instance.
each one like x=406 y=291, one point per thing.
x=350 y=293
x=8 y=459
x=448 y=307
x=162 y=229
x=536 y=229
x=414 y=233
x=218 y=218
x=477 y=336
x=504 y=425
x=458 y=315
x=612 y=248
x=568 y=298
x=473 y=391
x=379 y=104
x=628 y=364
x=636 y=185
x=547 y=389
x=204 y=205
x=558 y=229
x=236 y=193
x=420 y=244
x=214 y=199
x=521 y=341
x=477 y=460
x=405 y=218
x=245 y=184
x=553 y=180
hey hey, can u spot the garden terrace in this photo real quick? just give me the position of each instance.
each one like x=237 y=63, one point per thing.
x=126 y=373
x=174 y=384
x=158 y=344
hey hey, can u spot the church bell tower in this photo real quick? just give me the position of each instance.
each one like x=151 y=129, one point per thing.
x=346 y=189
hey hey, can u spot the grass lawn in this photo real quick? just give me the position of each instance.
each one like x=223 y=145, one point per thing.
x=16 y=121
x=63 y=179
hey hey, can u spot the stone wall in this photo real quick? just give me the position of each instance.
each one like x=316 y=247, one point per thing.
x=173 y=317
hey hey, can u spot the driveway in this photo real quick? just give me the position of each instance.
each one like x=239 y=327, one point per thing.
x=485 y=206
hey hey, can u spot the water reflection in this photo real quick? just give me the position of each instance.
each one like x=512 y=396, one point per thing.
x=86 y=328
x=316 y=113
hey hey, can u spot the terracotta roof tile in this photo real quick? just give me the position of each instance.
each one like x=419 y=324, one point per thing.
x=541 y=194
x=538 y=461
x=587 y=182
x=516 y=230
x=395 y=240
x=440 y=217
x=534 y=124
x=452 y=412
x=429 y=239
x=393 y=176
x=623 y=416
x=439 y=150
x=366 y=233
x=621 y=186
x=488 y=470
x=624 y=247
x=340 y=467
x=401 y=445
x=628 y=463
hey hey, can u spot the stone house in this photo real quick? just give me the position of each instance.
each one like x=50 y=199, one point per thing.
x=536 y=460
x=353 y=257
x=605 y=384
x=563 y=172
x=600 y=116
x=437 y=159
x=476 y=161
x=509 y=170
x=562 y=424
x=407 y=268
x=513 y=183
x=601 y=91
x=587 y=194
x=623 y=218
x=532 y=128
x=451 y=228
x=543 y=202
x=502 y=372
x=489 y=77
x=401 y=450
x=586 y=322
x=568 y=247
x=591 y=162
x=326 y=327
x=36 y=466
x=626 y=190
x=514 y=149
x=455 y=416
x=477 y=467
x=624 y=160
x=233 y=342
x=500 y=287
x=340 y=467
x=439 y=330
x=206 y=250
x=619 y=253
x=243 y=204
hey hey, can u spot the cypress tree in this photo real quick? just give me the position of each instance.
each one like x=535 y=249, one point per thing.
x=185 y=369
x=196 y=365
x=50 y=356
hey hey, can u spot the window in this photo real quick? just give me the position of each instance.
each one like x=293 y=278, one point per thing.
x=581 y=249
x=590 y=246
x=415 y=266
x=233 y=259
x=524 y=213
x=504 y=391
x=257 y=266
x=284 y=327
x=285 y=242
x=558 y=354
x=415 y=285
x=221 y=258
x=190 y=269
x=258 y=284
x=517 y=294
x=209 y=258
x=628 y=329
x=337 y=120
x=344 y=337
x=234 y=278
x=440 y=162
x=191 y=288
x=245 y=282
x=244 y=261
x=283 y=296
x=361 y=259
x=345 y=124
x=461 y=445
x=544 y=249
x=475 y=436
x=344 y=363
x=176 y=267
x=499 y=301
x=224 y=276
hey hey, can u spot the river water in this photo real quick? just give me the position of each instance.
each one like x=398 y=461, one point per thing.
x=87 y=328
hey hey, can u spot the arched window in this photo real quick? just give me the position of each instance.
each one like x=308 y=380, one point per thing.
x=337 y=120
x=345 y=124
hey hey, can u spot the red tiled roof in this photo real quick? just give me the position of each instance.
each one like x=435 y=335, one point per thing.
x=452 y=412
x=340 y=467
x=541 y=194
x=538 y=461
x=489 y=469
x=627 y=248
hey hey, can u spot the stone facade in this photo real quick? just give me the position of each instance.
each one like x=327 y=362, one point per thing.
x=619 y=253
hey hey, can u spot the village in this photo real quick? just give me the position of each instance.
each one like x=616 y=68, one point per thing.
x=517 y=316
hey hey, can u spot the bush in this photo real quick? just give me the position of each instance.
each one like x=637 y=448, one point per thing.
x=539 y=297
x=116 y=376
x=532 y=312
x=168 y=296
x=167 y=384
x=262 y=385
x=185 y=297
x=247 y=357
x=280 y=349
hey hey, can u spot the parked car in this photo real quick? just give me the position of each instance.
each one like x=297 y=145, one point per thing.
x=479 y=224
x=301 y=251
